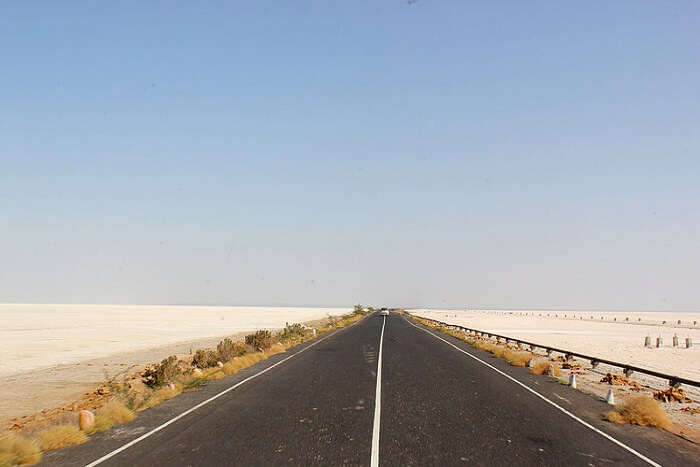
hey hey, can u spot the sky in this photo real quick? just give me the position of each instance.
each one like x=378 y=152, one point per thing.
x=537 y=155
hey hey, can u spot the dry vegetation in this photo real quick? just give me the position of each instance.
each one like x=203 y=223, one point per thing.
x=542 y=367
x=518 y=358
x=18 y=450
x=60 y=436
x=672 y=394
x=640 y=410
x=111 y=414
x=128 y=394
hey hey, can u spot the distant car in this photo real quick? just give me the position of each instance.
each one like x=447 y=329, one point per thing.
x=383 y=312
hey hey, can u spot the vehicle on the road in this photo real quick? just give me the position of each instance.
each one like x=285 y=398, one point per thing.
x=384 y=312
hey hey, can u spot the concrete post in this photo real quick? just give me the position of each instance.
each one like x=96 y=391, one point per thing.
x=675 y=340
x=647 y=342
x=659 y=342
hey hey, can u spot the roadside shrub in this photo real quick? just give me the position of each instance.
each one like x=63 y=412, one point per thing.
x=229 y=349
x=161 y=373
x=517 y=358
x=18 y=450
x=205 y=358
x=60 y=436
x=293 y=331
x=115 y=413
x=483 y=345
x=540 y=368
x=358 y=310
x=159 y=395
x=261 y=340
x=640 y=410
x=498 y=351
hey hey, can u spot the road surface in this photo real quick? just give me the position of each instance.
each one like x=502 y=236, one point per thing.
x=430 y=400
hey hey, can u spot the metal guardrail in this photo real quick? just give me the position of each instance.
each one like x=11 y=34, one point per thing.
x=627 y=369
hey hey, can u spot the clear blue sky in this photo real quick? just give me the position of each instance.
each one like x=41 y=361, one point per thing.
x=440 y=153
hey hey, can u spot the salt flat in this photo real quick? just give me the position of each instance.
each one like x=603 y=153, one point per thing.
x=38 y=336
x=618 y=336
x=51 y=355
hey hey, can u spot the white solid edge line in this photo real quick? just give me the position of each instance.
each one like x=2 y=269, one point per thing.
x=374 y=459
x=582 y=422
x=201 y=404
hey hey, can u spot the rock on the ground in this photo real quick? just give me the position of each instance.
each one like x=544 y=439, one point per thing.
x=86 y=420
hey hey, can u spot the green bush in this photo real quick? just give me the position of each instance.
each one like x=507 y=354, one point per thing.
x=205 y=358
x=359 y=310
x=161 y=373
x=261 y=340
x=228 y=349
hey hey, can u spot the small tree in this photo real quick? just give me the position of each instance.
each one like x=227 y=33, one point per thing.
x=228 y=349
x=205 y=358
x=359 y=310
x=161 y=373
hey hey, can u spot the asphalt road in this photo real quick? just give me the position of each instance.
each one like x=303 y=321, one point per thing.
x=316 y=405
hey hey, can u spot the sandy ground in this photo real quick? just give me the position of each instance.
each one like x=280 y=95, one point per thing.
x=52 y=354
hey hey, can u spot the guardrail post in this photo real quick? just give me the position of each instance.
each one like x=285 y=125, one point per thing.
x=647 y=342
x=659 y=342
x=688 y=342
x=673 y=383
x=628 y=372
x=675 y=340
x=594 y=363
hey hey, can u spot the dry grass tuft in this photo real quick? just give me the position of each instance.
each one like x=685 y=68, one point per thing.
x=482 y=345
x=239 y=363
x=60 y=436
x=18 y=450
x=161 y=394
x=113 y=413
x=234 y=366
x=498 y=351
x=640 y=410
x=517 y=358
x=540 y=368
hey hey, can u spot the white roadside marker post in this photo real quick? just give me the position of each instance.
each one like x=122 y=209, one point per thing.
x=610 y=399
x=572 y=380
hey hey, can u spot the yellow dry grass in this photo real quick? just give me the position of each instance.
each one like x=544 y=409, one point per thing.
x=483 y=345
x=540 y=368
x=60 y=436
x=517 y=358
x=640 y=410
x=112 y=413
x=161 y=394
x=18 y=450
x=234 y=366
